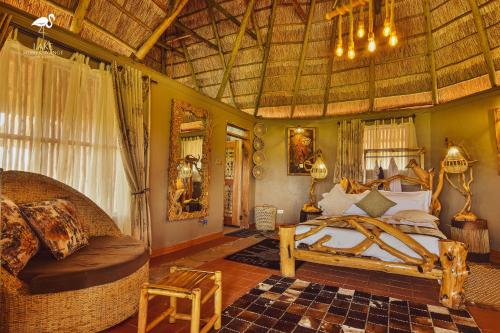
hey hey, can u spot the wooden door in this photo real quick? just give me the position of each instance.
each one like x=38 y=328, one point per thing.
x=232 y=183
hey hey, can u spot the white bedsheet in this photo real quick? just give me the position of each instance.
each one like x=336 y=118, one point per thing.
x=346 y=238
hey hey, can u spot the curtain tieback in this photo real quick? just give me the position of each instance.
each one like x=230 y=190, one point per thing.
x=141 y=192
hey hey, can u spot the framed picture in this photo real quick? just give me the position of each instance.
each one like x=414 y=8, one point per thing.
x=496 y=115
x=301 y=144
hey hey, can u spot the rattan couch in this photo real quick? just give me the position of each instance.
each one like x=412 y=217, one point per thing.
x=85 y=310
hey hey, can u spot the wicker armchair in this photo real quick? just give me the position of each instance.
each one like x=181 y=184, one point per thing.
x=84 y=310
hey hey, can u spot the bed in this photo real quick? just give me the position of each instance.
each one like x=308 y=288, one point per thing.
x=383 y=244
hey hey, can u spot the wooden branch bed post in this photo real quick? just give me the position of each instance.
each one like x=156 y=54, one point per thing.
x=287 y=250
x=452 y=257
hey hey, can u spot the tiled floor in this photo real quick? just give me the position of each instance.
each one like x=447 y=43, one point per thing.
x=239 y=278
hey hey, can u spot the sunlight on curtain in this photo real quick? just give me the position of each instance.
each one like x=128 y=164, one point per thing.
x=57 y=118
x=192 y=146
x=397 y=135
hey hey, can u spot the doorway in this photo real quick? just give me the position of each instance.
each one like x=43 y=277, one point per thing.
x=237 y=177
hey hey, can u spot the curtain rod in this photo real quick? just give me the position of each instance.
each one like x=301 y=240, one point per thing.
x=66 y=47
x=386 y=118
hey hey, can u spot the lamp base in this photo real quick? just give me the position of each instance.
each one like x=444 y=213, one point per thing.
x=310 y=208
x=465 y=217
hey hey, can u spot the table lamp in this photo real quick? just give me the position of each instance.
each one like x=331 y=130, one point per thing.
x=318 y=171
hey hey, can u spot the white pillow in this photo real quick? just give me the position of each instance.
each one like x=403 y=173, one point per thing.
x=419 y=200
x=355 y=210
x=335 y=189
x=416 y=216
x=336 y=202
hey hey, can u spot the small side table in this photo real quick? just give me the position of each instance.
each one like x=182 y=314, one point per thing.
x=475 y=235
x=306 y=216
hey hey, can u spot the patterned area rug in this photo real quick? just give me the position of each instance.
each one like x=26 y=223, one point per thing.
x=263 y=254
x=244 y=233
x=481 y=288
x=290 y=305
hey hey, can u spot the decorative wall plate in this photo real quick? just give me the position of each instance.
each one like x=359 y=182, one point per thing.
x=258 y=144
x=259 y=157
x=258 y=172
x=259 y=130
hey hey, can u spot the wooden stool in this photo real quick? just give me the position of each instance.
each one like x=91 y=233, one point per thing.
x=183 y=283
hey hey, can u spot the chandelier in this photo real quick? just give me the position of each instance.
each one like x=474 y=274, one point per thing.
x=388 y=31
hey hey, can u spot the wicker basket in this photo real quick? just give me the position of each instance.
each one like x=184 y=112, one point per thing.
x=265 y=217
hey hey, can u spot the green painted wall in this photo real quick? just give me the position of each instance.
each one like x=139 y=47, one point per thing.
x=470 y=122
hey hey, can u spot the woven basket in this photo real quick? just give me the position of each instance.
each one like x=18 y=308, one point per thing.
x=265 y=217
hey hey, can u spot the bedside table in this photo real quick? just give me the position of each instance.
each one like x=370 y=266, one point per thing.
x=306 y=216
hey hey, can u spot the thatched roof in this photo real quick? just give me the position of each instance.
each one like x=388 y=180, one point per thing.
x=458 y=56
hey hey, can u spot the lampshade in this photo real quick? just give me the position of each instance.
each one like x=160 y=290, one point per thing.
x=455 y=162
x=319 y=169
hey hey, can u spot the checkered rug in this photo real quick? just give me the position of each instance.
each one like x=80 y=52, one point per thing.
x=290 y=305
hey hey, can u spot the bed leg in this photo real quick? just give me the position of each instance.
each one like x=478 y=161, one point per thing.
x=452 y=255
x=287 y=250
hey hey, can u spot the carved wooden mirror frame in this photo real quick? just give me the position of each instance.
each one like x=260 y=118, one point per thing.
x=178 y=109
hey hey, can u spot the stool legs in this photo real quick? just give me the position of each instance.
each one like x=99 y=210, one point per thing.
x=143 y=309
x=218 y=300
x=173 y=305
x=196 y=310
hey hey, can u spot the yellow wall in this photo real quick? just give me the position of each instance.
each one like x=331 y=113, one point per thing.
x=470 y=122
x=166 y=233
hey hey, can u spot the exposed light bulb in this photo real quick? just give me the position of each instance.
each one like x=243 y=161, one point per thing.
x=393 y=40
x=339 y=51
x=351 y=53
x=371 y=43
x=387 y=29
x=361 y=31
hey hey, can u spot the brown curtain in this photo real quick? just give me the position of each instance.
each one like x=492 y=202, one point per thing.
x=132 y=93
x=349 y=162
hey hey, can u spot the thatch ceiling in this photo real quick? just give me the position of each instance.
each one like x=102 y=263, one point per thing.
x=458 y=56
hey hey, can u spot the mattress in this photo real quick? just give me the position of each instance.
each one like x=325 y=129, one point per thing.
x=347 y=238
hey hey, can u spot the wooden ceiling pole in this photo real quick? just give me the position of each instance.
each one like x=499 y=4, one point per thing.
x=208 y=43
x=79 y=16
x=236 y=48
x=430 y=52
x=329 y=70
x=230 y=17
x=155 y=36
x=169 y=48
x=190 y=63
x=481 y=31
x=299 y=11
x=267 y=48
x=371 y=85
x=303 y=52
x=221 y=51
x=255 y=26
x=343 y=9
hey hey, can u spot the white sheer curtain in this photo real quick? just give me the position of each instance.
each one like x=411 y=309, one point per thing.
x=192 y=146
x=397 y=134
x=57 y=118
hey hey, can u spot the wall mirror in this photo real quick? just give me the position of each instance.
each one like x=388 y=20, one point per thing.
x=189 y=162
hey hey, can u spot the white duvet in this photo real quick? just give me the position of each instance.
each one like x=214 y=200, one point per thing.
x=346 y=238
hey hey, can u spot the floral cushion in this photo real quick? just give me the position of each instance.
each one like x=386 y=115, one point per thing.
x=56 y=224
x=18 y=242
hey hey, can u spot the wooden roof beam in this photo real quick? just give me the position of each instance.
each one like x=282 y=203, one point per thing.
x=221 y=51
x=79 y=16
x=169 y=48
x=230 y=17
x=299 y=11
x=190 y=63
x=303 y=52
x=343 y=9
x=155 y=36
x=255 y=26
x=182 y=27
x=481 y=31
x=267 y=48
x=328 y=82
x=371 y=85
x=236 y=48
x=430 y=52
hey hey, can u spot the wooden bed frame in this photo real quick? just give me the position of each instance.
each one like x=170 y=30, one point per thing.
x=449 y=268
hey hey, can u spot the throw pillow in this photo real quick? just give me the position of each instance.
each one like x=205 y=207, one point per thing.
x=18 y=242
x=336 y=202
x=416 y=216
x=375 y=204
x=56 y=224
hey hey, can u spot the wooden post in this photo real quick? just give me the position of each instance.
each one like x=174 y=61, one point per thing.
x=173 y=300
x=218 y=300
x=79 y=16
x=287 y=250
x=452 y=255
x=430 y=51
x=143 y=309
x=326 y=96
x=196 y=310
x=496 y=115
